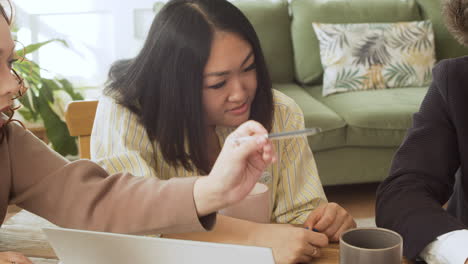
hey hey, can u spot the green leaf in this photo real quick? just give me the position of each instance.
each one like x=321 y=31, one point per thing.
x=48 y=88
x=56 y=129
x=332 y=38
x=27 y=114
x=371 y=50
x=26 y=101
x=33 y=47
x=68 y=87
x=40 y=96
x=427 y=76
x=349 y=80
x=410 y=39
x=401 y=74
x=29 y=71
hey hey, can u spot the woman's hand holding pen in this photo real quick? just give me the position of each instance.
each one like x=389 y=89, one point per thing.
x=236 y=171
x=290 y=244
x=331 y=220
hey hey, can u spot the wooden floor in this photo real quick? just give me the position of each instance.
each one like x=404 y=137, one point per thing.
x=357 y=199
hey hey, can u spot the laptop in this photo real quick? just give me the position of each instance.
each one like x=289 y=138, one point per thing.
x=78 y=247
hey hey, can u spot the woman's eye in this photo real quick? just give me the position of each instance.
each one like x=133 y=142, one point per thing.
x=11 y=62
x=251 y=67
x=218 y=85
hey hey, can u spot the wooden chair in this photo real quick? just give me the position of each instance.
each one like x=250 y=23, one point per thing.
x=80 y=118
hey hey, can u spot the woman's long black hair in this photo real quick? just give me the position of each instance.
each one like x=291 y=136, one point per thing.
x=163 y=83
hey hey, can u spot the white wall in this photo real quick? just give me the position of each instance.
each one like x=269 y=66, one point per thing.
x=98 y=33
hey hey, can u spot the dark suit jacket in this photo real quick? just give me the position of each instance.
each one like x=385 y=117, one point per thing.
x=423 y=171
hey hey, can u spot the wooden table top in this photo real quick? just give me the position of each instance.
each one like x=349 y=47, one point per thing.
x=22 y=233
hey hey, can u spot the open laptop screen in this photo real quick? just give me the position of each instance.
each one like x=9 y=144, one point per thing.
x=77 y=247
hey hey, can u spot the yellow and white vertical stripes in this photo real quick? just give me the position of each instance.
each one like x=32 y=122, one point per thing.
x=120 y=143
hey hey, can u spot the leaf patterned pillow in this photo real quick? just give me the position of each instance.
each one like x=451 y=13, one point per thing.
x=376 y=55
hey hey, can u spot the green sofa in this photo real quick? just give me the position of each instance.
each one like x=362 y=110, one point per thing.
x=361 y=130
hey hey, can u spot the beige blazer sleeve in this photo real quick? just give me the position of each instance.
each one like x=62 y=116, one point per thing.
x=82 y=195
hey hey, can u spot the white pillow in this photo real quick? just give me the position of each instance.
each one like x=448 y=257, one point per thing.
x=375 y=55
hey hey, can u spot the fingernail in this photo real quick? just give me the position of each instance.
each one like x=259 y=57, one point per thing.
x=313 y=229
x=260 y=140
x=315 y=251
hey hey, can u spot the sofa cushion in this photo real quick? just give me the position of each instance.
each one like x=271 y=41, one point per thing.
x=304 y=12
x=271 y=21
x=351 y=165
x=370 y=56
x=446 y=45
x=317 y=114
x=377 y=118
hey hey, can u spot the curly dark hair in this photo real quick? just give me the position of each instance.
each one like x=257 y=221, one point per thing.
x=455 y=14
x=11 y=111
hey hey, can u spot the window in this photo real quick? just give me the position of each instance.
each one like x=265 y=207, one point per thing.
x=98 y=32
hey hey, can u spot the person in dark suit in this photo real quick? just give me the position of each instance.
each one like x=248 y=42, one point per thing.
x=431 y=166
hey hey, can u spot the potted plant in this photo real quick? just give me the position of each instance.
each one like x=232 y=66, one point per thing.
x=45 y=100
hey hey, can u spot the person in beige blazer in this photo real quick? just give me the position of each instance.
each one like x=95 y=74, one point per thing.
x=82 y=195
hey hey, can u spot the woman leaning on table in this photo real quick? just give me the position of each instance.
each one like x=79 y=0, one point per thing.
x=202 y=72
x=82 y=195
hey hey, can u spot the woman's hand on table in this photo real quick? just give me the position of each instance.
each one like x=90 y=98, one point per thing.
x=13 y=258
x=331 y=220
x=290 y=244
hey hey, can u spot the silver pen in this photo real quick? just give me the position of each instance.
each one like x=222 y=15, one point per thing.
x=284 y=135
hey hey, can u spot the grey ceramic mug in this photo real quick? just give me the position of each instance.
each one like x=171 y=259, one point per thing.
x=370 y=246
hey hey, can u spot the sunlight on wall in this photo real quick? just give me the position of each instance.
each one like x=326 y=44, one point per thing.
x=98 y=33
x=90 y=51
x=59 y=6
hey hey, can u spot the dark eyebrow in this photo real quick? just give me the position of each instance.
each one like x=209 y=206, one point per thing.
x=217 y=73
x=227 y=72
